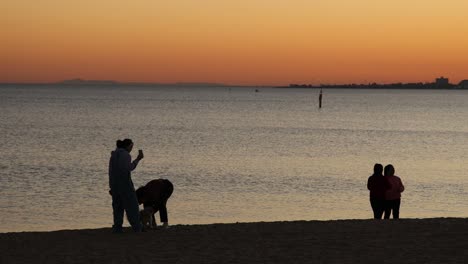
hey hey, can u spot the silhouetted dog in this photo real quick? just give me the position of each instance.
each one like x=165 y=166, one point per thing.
x=147 y=217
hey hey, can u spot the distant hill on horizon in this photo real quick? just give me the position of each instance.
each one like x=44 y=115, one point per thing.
x=79 y=81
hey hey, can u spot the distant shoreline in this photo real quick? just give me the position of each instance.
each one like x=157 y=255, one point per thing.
x=212 y=85
x=372 y=88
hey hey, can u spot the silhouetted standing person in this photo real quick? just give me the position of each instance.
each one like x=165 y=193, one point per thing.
x=393 y=194
x=320 y=99
x=121 y=186
x=377 y=186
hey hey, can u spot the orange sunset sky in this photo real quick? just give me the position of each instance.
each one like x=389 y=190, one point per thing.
x=247 y=42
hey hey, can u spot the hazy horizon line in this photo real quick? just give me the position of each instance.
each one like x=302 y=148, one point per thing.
x=79 y=81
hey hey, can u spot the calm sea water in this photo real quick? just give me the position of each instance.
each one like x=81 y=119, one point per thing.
x=233 y=155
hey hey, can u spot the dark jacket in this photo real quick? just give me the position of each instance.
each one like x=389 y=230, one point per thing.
x=155 y=193
x=377 y=185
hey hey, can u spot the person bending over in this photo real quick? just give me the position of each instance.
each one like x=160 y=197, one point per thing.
x=154 y=196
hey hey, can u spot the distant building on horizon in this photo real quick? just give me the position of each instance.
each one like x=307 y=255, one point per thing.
x=442 y=82
x=463 y=84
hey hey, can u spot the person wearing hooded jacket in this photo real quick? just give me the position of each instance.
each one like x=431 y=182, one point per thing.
x=393 y=194
x=121 y=186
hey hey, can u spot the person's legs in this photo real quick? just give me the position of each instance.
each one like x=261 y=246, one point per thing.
x=396 y=208
x=132 y=210
x=380 y=208
x=388 y=209
x=163 y=212
x=169 y=188
x=154 y=221
x=118 y=212
x=375 y=207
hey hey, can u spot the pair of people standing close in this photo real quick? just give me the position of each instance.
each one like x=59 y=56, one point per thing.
x=121 y=186
x=385 y=192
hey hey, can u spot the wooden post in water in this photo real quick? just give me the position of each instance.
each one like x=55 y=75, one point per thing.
x=320 y=98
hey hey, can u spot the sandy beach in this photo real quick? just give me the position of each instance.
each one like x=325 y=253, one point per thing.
x=438 y=240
